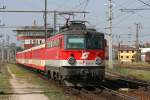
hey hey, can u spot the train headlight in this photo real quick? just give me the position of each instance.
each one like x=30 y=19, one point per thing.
x=98 y=60
x=72 y=61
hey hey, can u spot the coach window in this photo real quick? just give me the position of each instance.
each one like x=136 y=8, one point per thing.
x=30 y=41
x=49 y=44
x=34 y=41
x=53 y=43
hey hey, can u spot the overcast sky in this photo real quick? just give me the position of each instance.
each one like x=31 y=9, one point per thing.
x=123 y=22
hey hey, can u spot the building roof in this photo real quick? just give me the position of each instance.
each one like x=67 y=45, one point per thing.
x=33 y=28
x=32 y=32
x=128 y=48
x=144 y=50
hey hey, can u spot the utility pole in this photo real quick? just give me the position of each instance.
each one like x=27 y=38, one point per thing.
x=3 y=44
x=137 y=36
x=8 y=48
x=45 y=20
x=110 y=33
x=137 y=40
x=55 y=20
x=119 y=45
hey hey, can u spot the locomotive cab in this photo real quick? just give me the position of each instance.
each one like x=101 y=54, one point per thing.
x=83 y=54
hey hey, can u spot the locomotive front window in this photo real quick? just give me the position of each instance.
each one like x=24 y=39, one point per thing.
x=84 y=42
x=94 y=42
x=75 y=42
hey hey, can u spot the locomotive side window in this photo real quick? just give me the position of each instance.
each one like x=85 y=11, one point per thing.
x=75 y=42
x=53 y=43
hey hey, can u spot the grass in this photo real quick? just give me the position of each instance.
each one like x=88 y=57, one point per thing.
x=51 y=91
x=140 y=74
x=5 y=86
x=123 y=69
x=135 y=64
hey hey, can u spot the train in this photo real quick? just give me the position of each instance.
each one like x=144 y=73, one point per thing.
x=76 y=54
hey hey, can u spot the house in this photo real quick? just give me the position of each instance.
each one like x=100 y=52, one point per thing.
x=143 y=52
x=128 y=54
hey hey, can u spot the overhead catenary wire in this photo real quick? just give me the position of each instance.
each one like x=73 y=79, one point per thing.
x=82 y=5
x=78 y=5
x=123 y=5
x=127 y=16
x=136 y=9
x=144 y=2
x=131 y=12
x=86 y=4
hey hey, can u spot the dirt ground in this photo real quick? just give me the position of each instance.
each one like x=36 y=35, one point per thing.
x=25 y=91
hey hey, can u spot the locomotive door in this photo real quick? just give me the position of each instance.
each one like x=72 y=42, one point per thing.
x=59 y=49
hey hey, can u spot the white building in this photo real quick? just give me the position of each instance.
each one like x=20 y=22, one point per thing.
x=143 y=51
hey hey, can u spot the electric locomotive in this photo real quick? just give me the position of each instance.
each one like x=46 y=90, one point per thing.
x=75 y=54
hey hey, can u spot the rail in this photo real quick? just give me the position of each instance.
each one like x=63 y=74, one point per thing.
x=129 y=79
x=123 y=96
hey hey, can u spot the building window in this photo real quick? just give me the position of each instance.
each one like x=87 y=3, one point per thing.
x=132 y=51
x=121 y=56
x=30 y=41
x=127 y=51
x=121 y=51
x=34 y=41
x=127 y=56
x=40 y=41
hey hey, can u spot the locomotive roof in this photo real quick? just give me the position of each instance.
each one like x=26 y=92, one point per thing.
x=81 y=32
x=78 y=27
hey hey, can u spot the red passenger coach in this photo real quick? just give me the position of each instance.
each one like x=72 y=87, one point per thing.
x=33 y=57
x=75 y=54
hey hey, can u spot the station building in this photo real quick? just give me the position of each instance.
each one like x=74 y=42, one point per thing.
x=31 y=36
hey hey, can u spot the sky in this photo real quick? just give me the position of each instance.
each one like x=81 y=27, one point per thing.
x=123 y=22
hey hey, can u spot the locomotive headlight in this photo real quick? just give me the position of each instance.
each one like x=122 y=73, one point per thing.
x=71 y=60
x=98 y=60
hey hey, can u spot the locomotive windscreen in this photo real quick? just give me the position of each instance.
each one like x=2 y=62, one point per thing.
x=94 y=42
x=75 y=42
x=84 y=42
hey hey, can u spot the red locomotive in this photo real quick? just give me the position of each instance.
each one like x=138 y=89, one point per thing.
x=75 y=54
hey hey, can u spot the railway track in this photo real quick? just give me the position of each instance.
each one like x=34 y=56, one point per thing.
x=128 y=79
x=108 y=90
x=101 y=93
x=92 y=93
x=134 y=87
x=117 y=95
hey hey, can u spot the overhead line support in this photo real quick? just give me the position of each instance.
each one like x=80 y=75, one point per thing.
x=110 y=34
